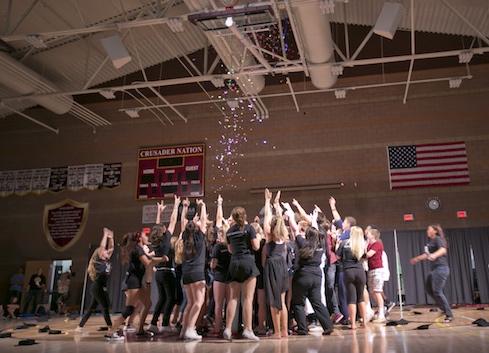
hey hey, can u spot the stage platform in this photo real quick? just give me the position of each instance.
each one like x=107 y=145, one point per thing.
x=459 y=336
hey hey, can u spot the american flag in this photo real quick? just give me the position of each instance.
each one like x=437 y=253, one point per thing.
x=435 y=164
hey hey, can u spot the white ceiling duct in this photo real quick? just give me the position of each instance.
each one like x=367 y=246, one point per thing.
x=21 y=79
x=316 y=37
x=230 y=50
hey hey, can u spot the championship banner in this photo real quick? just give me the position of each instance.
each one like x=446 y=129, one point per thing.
x=64 y=222
x=112 y=175
x=40 y=180
x=93 y=177
x=76 y=177
x=58 y=179
x=7 y=182
x=23 y=182
x=171 y=170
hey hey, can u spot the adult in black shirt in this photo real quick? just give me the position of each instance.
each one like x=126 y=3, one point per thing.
x=307 y=282
x=242 y=241
x=351 y=253
x=165 y=276
x=99 y=270
x=37 y=285
x=436 y=252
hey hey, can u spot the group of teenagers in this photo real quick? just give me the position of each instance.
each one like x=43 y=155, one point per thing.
x=285 y=267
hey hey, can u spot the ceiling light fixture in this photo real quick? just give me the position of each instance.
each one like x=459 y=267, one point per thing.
x=133 y=113
x=36 y=41
x=454 y=82
x=465 y=57
x=108 y=94
x=229 y=21
x=340 y=93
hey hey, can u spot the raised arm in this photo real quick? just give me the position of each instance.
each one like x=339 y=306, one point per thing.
x=160 y=207
x=294 y=227
x=276 y=205
x=302 y=212
x=267 y=213
x=174 y=215
x=107 y=239
x=332 y=204
x=203 y=216
x=183 y=218
x=219 y=213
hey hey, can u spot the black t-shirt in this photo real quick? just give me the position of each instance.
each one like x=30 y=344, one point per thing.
x=308 y=265
x=348 y=260
x=221 y=254
x=435 y=244
x=258 y=254
x=136 y=267
x=276 y=250
x=37 y=281
x=240 y=239
x=163 y=248
x=196 y=263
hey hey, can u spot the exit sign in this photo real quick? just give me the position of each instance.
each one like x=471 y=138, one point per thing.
x=461 y=214
x=408 y=217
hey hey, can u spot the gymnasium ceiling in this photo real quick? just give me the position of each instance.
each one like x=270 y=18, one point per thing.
x=74 y=60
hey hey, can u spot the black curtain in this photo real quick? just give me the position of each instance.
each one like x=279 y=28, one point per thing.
x=459 y=289
x=410 y=244
x=479 y=240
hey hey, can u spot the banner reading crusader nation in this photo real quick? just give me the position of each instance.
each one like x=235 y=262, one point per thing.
x=171 y=170
x=64 y=222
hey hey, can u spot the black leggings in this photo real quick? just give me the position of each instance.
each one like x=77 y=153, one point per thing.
x=308 y=285
x=166 y=283
x=355 y=284
x=99 y=296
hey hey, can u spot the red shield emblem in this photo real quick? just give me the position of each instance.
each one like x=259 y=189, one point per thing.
x=64 y=222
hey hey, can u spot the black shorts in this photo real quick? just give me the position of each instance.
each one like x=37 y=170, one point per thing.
x=221 y=277
x=133 y=282
x=192 y=277
x=241 y=268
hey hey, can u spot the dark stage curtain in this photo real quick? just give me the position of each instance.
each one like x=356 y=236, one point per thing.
x=479 y=239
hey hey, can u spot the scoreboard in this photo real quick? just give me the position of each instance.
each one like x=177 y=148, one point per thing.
x=170 y=170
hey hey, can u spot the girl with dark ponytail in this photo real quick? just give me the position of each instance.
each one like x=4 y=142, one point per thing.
x=192 y=256
x=307 y=281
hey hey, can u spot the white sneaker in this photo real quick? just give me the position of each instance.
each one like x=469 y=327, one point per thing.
x=115 y=336
x=129 y=329
x=370 y=315
x=250 y=335
x=379 y=320
x=79 y=329
x=192 y=335
x=153 y=328
x=227 y=335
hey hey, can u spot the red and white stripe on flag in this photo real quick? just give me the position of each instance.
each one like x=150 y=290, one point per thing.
x=427 y=165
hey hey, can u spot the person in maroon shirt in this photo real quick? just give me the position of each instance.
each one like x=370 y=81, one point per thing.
x=376 y=271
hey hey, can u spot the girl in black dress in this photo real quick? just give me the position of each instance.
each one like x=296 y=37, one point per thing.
x=242 y=241
x=219 y=265
x=132 y=253
x=275 y=274
x=99 y=270
x=165 y=272
x=192 y=257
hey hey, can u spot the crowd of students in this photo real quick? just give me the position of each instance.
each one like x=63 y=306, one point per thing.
x=274 y=276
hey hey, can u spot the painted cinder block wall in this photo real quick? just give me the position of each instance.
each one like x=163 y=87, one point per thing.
x=328 y=141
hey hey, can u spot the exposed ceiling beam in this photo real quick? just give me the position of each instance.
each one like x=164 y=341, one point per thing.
x=413 y=52
x=275 y=70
